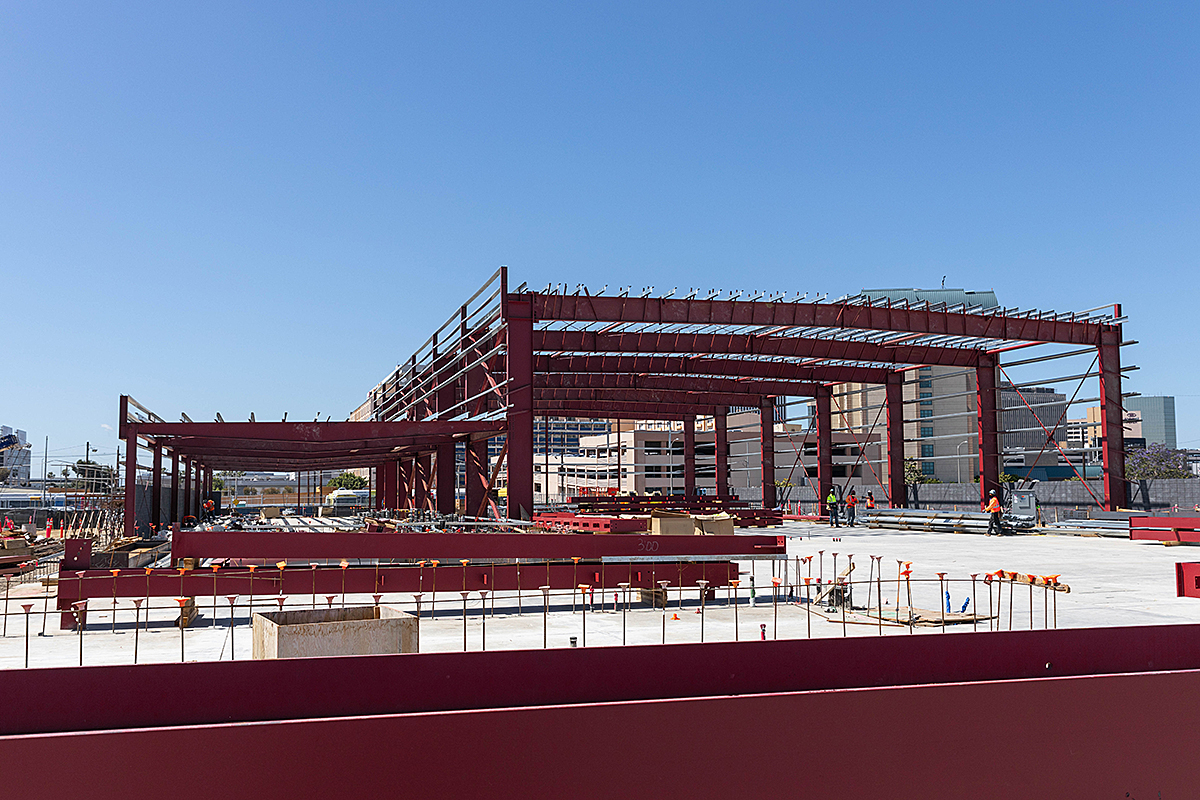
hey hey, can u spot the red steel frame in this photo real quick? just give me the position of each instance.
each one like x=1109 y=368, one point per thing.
x=619 y=357
x=507 y=356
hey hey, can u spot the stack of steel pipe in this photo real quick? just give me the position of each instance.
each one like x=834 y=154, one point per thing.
x=910 y=519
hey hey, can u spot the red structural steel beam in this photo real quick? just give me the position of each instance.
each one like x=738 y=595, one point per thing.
x=989 y=428
x=702 y=365
x=744 y=344
x=841 y=316
x=448 y=576
x=313 y=432
x=1187 y=579
x=594 y=409
x=619 y=396
x=277 y=545
x=521 y=406
x=682 y=383
x=897 y=486
x=1165 y=529
x=1112 y=425
x=721 y=440
x=535 y=701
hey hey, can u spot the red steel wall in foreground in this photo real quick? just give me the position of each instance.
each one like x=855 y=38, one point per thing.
x=965 y=715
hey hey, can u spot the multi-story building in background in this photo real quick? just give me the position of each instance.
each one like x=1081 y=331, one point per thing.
x=16 y=460
x=1158 y=418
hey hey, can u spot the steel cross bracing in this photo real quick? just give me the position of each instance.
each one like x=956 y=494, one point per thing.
x=514 y=355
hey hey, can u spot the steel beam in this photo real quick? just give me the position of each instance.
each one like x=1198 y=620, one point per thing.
x=989 y=433
x=156 y=489
x=689 y=455
x=721 y=435
x=477 y=475
x=520 y=408
x=447 y=473
x=638 y=396
x=824 y=404
x=704 y=365
x=449 y=545
x=766 y=416
x=897 y=488
x=1112 y=419
x=678 y=383
x=838 y=316
x=131 y=456
x=176 y=512
x=559 y=341
x=423 y=468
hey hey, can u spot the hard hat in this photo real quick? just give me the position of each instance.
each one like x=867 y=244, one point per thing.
x=993 y=491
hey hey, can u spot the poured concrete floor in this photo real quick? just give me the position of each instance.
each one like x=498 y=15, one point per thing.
x=1113 y=582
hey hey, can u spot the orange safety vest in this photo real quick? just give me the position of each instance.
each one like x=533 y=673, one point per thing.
x=993 y=506
x=870 y=502
x=852 y=500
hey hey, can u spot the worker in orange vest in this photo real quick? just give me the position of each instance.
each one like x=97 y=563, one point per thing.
x=851 y=505
x=870 y=500
x=209 y=507
x=993 y=508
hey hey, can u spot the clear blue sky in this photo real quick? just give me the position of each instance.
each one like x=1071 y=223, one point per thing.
x=264 y=207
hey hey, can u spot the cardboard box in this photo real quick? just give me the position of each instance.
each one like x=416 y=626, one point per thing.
x=666 y=523
x=714 y=524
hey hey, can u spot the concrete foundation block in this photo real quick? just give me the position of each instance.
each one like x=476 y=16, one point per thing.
x=361 y=630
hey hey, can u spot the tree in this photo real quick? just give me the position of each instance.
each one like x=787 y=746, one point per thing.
x=4 y=473
x=1157 y=461
x=348 y=480
x=218 y=482
x=913 y=474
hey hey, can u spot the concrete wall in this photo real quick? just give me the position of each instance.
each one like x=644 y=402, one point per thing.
x=363 y=630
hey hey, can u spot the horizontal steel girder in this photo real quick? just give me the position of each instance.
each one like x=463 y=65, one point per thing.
x=639 y=396
x=701 y=365
x=591 y=409
x=299 y=580
x=745 y=344
x=682 y=383
x=254 y=544
x=309 y=432
x=583 y=308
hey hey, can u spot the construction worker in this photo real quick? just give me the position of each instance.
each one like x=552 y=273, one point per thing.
x=209 y=508
x=870 y=500
x=831 y=503
x=993 y=508
x=851 y=503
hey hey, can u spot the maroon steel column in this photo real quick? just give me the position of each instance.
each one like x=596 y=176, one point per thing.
x=689 y=455
x=824 y=401
x=766 y=414
x=721 y=424
x=422 y=469
x=989 y=435
x=187 y=486
x=447 y=473
x=174 y=516
x=477 y=475
x=1116 y=490
x=131 y=455
x=156 y=488
x=518 y=314
x=897 y=488
x=383 y=488
x=401 y=478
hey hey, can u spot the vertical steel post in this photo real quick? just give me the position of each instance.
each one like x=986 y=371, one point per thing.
x=824 y=403
x=187 y=488
x=422 y=467
x=721 y=425
x=174 y=515
x=447 y=475
x=897 y=489
x=989 y=434
x=1112 y=445
x=131 y=449
x=518 y=313
x=766 y=415
x=689 y=455
x=156 y=488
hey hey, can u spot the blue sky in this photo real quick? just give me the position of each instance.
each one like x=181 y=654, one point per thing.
x=263 y=207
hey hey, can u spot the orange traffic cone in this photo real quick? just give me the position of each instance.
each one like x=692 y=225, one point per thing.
x=674 y=616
